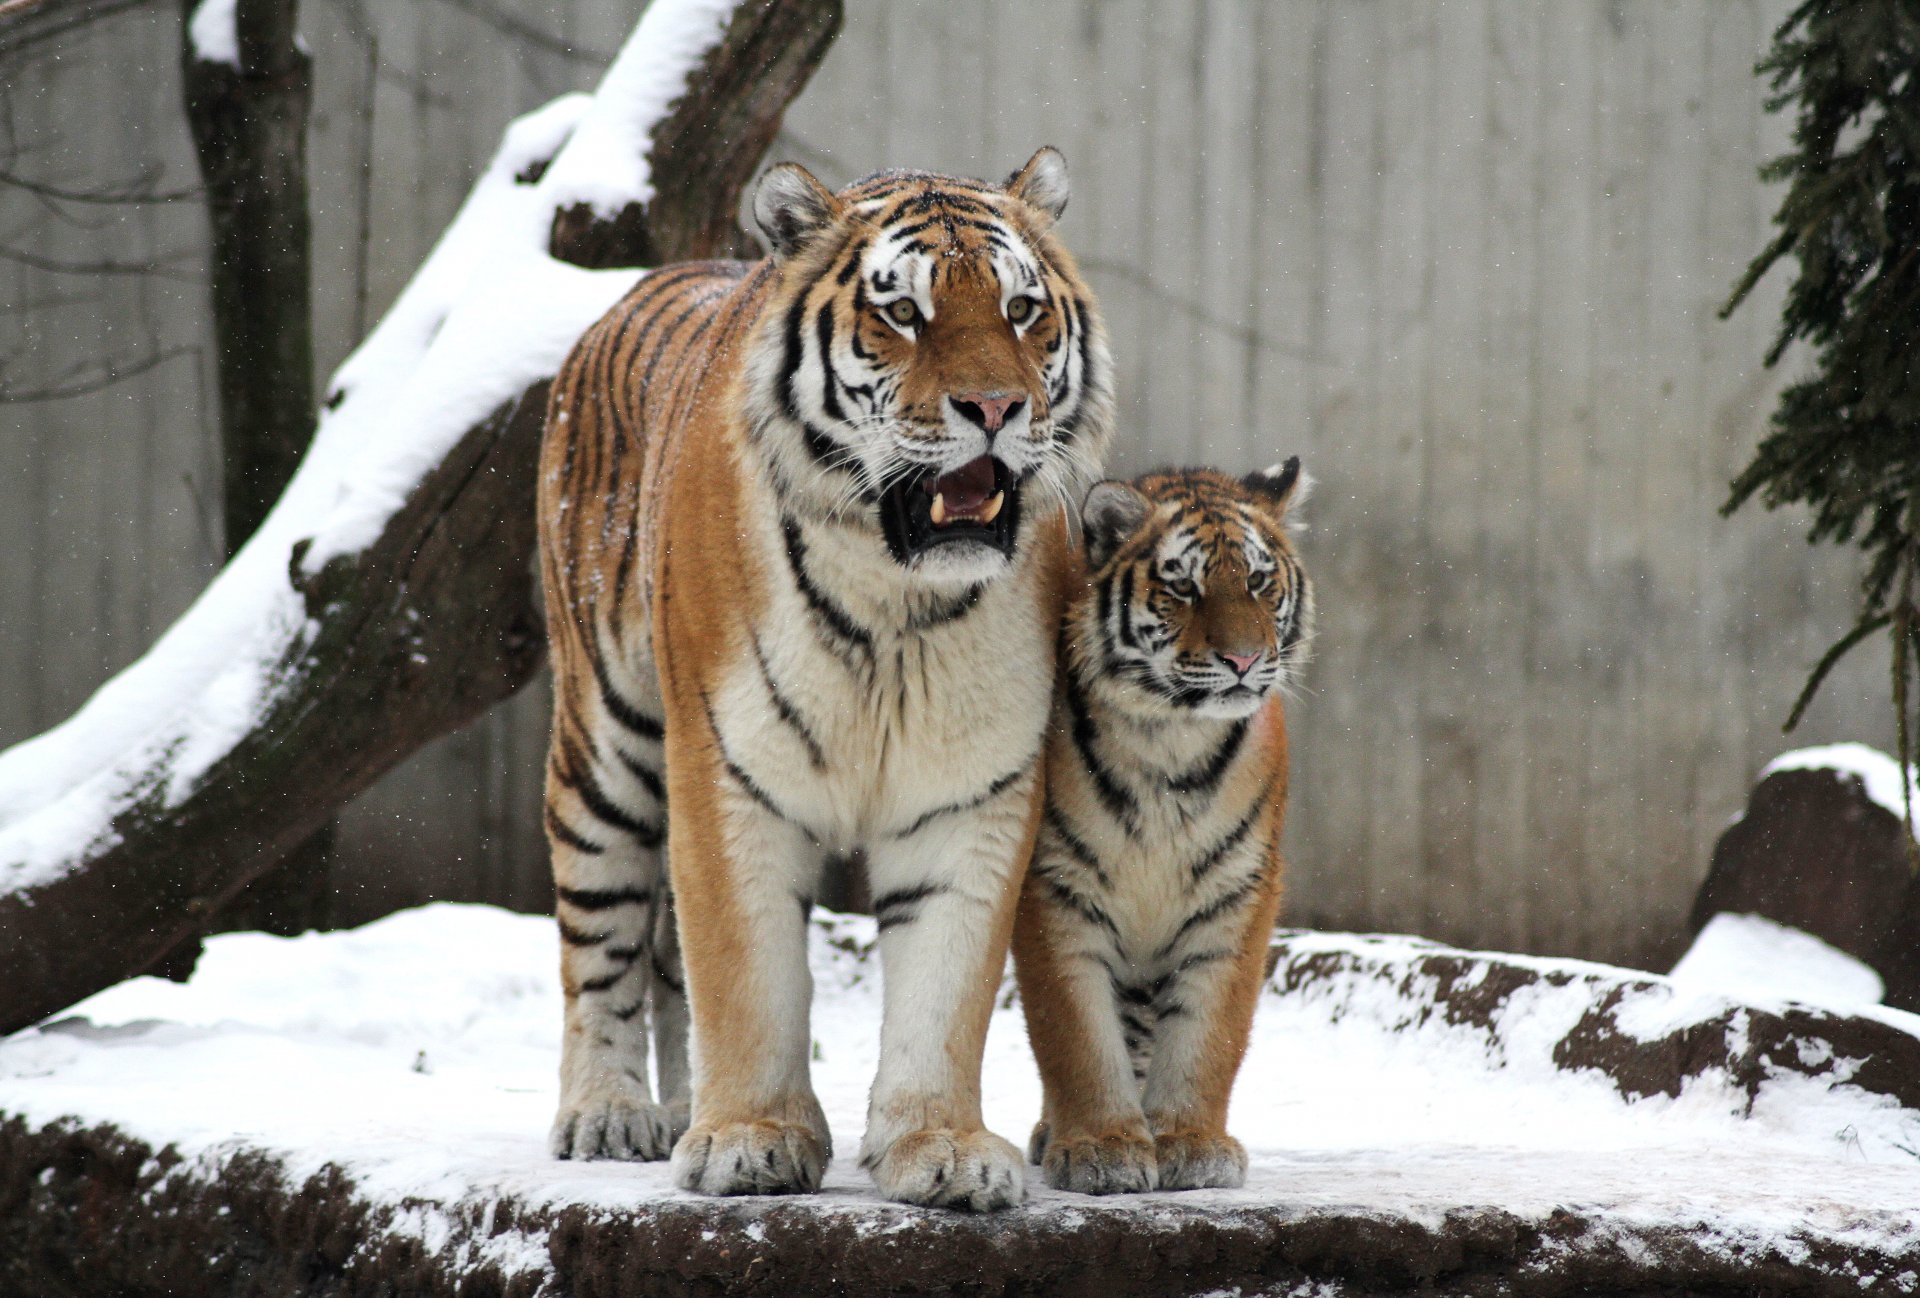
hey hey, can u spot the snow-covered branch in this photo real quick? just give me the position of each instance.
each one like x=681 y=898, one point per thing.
x=387 y=597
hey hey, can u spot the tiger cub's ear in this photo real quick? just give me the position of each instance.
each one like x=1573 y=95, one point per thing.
x=1283 y=488
x=1113 y=512
x=790 y=207
x=1042 y=183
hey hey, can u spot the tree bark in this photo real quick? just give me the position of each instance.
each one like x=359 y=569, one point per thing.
x=414 y=636
x=249 y=125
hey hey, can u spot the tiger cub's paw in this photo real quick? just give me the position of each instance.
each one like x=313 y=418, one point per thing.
x=946 y=1168
x=763 y=1156
x=615 y=1124
x=1111 y=1162
x=1199 y=1160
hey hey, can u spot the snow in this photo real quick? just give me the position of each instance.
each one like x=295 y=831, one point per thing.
x=215 y=37
x=1878 y=773
x=418 y=1054
x=606 y=163
x=1753 y=958
x=487 y=315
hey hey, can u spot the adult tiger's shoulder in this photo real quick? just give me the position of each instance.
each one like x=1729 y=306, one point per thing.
x=1155 y=882
x=802 y=525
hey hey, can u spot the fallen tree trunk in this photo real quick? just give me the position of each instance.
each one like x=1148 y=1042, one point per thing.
x=388 y=597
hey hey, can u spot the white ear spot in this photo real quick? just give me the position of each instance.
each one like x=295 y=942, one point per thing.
x=790 y=206
x=1042 y=183
x=1284 y=486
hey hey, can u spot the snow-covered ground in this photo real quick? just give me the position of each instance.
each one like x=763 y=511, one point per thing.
x=418 y=1055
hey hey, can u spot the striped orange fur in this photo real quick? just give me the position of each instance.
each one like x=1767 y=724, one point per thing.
x=1156 y=879
x=802 y=531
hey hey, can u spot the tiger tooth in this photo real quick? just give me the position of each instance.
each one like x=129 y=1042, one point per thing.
x=939 y=509
x=991 y=510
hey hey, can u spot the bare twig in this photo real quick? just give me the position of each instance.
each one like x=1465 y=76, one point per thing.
x=54 y=265
x=111 y=371
x=124 y=194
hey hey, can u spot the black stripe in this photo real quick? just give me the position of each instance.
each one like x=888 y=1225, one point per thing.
x=604 y=981
x=629 y=716
x=787 y=712
x=626 y=1012
x=665 y=977
x=1233 y=838
x=1064 y=895
x=893 y=908
x=604 y=898
x=985 y=796
x=1205 y=776
x=823 y=608
x=745 y=781
x=580 y=937
x=566 y=833
x=648 y=777
x=1119 y=803
x=1212 y=911
x=1076 y=846
x=958 y=608
x=579 y=778
x=830 y=380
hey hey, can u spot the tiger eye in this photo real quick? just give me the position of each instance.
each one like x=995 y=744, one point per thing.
x=902 y=311
x=1020 y=310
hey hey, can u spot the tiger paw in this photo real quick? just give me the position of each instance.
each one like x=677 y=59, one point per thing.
x=1198 y=1160
x=1113 y=1162
x=615 y=1125
x=1037 y=1143
x=763 y=1156
x=945 y=1168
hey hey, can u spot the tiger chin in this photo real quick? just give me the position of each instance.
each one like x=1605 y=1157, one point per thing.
x=1144 y=922
x=803 y=527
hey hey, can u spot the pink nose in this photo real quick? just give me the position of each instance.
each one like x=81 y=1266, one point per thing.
x=1241 y=663
x=988 y=409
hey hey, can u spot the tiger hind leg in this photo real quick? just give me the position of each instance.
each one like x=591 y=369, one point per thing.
x=605 y=822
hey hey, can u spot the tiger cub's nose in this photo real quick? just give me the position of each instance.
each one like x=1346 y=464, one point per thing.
x=990 y=410
x=1241 y=663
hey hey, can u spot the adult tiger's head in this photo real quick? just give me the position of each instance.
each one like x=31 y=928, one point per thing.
x=930 y=363
x=1196 y=602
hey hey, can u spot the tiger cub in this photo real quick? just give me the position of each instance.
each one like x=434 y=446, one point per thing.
x=1141 y=939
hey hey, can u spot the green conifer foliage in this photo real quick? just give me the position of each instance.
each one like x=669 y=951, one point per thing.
x=1845 y=440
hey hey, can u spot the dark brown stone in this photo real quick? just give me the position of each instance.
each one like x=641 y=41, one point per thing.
x=1814 y=852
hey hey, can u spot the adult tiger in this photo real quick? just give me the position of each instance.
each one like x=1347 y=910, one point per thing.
x=802 y=524
x=1144 y=923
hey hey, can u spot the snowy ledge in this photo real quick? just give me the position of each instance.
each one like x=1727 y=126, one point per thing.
x=363 y=1112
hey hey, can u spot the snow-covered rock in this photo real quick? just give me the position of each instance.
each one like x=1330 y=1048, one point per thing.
x=370 y=1107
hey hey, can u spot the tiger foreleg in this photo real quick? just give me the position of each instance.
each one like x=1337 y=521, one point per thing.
x=743 y=882
x=1093 y=1136
x=1205 y=1017
x=944 y=897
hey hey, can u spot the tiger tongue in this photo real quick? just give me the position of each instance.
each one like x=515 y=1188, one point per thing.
x=966 y=489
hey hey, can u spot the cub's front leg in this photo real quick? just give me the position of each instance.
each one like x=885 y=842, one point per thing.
x=743 y=876
x=944 y=895
x=1197 y=1052
x=1093 y=1136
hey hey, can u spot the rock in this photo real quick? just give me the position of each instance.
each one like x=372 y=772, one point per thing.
x=1815 y=852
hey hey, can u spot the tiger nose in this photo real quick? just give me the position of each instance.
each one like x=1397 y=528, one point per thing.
x=990 y=410
x=1241 y=663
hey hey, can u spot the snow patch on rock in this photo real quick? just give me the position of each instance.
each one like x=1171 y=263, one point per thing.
x=1750 y=957
x=1878 y=773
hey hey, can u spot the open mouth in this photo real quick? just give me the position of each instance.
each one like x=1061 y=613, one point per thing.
x=978 y=502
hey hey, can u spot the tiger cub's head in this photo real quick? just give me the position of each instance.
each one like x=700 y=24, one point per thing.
x=1196 y=603
x=930 y=363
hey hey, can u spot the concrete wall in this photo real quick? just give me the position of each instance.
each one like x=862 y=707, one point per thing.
x=1463 y=258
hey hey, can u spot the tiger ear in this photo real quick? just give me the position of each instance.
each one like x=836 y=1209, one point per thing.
x=790 y=206
x=1113 y=512
x=1042 y=183
x=1282 y=487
